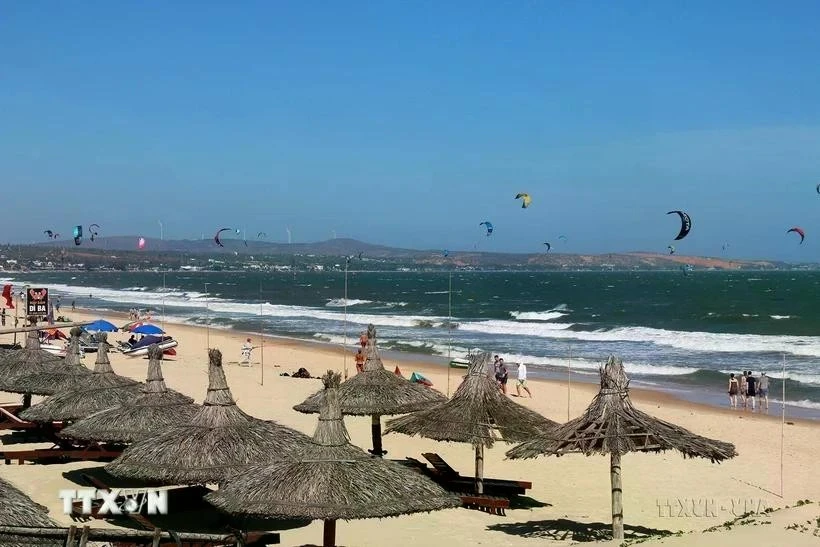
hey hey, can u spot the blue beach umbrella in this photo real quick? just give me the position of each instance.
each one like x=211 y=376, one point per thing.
x=148 y=329
x=101 y=325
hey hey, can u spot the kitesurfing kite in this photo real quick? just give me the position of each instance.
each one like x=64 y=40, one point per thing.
x=564 y=238
x=525 y=199
x=489 y=226
x=548 y=246
x=671 y=249
x=799 y=231
x=78 y=235
x=446 y=253
x=260 y=235
x=141 y=243
x=49 y=233
x=685 y=224
x=818 y=188
x=92 y=231
x=216 y=236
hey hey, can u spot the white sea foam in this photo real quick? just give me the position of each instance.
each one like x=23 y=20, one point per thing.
x=340 y=302
x=780 y=316
x=536 y=315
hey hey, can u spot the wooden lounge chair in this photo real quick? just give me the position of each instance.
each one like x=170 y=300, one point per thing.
x=59 y=453
x=451 y=479
x=491 y=504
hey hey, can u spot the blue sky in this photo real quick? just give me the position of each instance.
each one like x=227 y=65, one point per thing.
x=408 y=123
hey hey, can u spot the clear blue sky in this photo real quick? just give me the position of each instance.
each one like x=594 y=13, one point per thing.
x=408 y=123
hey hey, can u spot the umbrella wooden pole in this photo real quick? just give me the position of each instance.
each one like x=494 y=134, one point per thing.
x=376 y=433
x=479 y=469
x=329 y=537
x=617 y=498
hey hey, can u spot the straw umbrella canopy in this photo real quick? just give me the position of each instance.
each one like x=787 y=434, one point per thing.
x=331 y=479
x=83 y=395
x=478 y=414
x=56 y=375
x=218 y=441
x=17 y=509
x=611 y=425
x=22 y=361
x=376 y=392
x=154 y=410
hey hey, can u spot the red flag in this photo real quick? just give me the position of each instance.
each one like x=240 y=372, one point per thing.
x=7 y=296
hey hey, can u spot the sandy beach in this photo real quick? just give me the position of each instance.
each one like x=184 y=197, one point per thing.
x=661 y=491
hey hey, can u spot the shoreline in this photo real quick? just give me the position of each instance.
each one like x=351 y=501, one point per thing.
x=585 y=382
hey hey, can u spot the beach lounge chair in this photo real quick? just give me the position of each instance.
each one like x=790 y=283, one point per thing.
x=60 y=453
x=495 y=505
x=9 y=421
x=451 y=479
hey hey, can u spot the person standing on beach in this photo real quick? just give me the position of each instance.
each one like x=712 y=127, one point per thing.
x=743 y=388
x=522 y=380
x=763 y=390
x=3 y=316
x=751 y=391
x=360 y=361
x=73 y=305
x=363 y=339
x=733 y=390
x=247 y=348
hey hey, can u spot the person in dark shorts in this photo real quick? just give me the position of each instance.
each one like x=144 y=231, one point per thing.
x=751 y=388
x=501 y=375
x=763 y=390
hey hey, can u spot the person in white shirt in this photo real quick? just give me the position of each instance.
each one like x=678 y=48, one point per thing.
x=247 y=347
x=522 y=380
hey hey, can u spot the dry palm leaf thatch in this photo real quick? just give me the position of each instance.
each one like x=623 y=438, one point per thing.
x=54 y=376
x=29 y=359
x=331 y=479
x=611 y=425
x=82 y=396
x=218 y=441
x=155 y=409
x=17 y=509
x=377 y=392
x=477 y=414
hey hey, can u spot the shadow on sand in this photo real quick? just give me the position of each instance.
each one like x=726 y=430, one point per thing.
x=564 y=529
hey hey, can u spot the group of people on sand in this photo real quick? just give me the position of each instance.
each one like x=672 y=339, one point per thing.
x=502 y=374
x=749 y=388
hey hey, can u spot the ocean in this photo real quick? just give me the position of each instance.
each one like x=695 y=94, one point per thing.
x=677 y=333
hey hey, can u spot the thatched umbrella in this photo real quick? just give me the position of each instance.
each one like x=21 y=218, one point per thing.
x=331 y=479
x=17 y=509
x=218 y=441
x=54 y=376
x=478 y=414
x=377 y=392
x=611 y=425
x=83 y=395
x=156 y=408
x=26 y=360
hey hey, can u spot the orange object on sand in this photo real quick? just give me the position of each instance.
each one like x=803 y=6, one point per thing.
x=397 y=372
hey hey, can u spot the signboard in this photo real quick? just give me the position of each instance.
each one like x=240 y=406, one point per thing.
x=37 y=302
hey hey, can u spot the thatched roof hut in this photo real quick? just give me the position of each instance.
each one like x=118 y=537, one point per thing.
x=154 y=410
x=218 y=441
x=17 y=509
x=27 y=360
x=83 y=395
x=377 y=392
x=53 y=376
x=611 y=425
x=478 y=414
x=331 y=479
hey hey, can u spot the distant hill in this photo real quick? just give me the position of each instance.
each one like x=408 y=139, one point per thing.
x=423 y=258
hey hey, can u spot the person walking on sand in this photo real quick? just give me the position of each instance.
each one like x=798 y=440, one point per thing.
x=501 y=375
x=763 y=391
x=359 y=361
x=73 y=305
x=751 y=389
x=522 y=380
x=734 y=388
x=363 y=339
